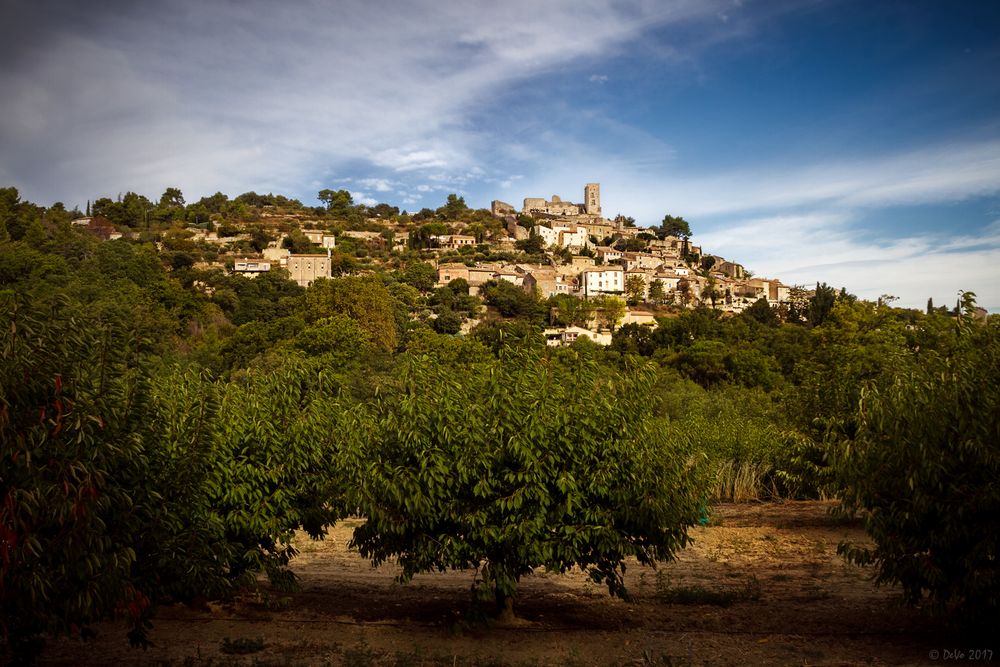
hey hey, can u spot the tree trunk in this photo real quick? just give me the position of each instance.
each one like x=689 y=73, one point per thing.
x=505 y=608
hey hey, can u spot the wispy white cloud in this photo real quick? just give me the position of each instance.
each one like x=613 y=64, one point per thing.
x=944 y=172
x=363 y=198
x=831 y=248
x=391 y=99
x=377 y=184
x=198 y=95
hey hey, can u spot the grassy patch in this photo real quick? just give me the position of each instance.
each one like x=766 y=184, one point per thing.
x=700 y=595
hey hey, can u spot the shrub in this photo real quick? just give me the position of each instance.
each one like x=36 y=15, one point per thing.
x=71 y=407
x=497 y=466
x=124 y=483
x=922 y=470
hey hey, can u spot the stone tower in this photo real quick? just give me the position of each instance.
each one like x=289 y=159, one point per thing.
x=592 y=198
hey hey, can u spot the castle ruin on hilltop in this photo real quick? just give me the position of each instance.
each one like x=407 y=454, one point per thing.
x=540 y=207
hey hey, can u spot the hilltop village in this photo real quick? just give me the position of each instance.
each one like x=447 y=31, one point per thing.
x=201 y=385
x=593 y=273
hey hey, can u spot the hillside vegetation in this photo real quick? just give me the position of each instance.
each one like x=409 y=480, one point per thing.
x=166 y=427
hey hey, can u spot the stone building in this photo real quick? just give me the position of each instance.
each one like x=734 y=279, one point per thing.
x=591 y=205
x=555 y=206
x=592 y=199
x=502 y=208
x=564 y=236
x=320 y=238
x=251 y=268
x=602 y=280
x=276 y=254
x=304 y=269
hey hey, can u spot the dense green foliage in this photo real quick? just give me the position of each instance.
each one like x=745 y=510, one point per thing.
x=126 y=481
x=505 y=465
x=166 y=427
x=922 y=470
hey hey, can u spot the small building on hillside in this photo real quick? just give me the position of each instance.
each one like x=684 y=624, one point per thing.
x=455 y=241
x=304 y=269
x=602 y=280
x=557 y=337
x=251 y=269
x=564 y=236
x=607 y=254
x=276 y=255
x=320 y=238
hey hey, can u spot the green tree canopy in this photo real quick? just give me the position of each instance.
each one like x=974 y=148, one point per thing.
x=509 y=299
x=525 y=476
x=674 y=226
x=453 y=208
x=762 y=312
x=338 y=202
x=635 y=290
x=420 y=275
x=821 y=304
x=610 y=310
x=362 y=298
x=922 y=471
x=172 y=198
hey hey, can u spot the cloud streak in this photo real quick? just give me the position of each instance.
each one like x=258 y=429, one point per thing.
x=407 y=101
x=830 y=248
x=146 y=95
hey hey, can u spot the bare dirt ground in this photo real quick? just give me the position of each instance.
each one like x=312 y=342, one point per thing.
x=763 y=585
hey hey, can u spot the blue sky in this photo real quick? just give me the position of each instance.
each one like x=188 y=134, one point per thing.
x=849 y=142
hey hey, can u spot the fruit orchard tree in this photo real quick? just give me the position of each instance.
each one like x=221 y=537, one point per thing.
x=511 y=464
x=922 y=470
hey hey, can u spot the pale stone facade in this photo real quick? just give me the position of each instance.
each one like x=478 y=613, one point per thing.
x=779 y=293
x=603 y=280
x=598 y=229
x=637 y=260
x=731 y=269
x=641 y=317
x=279 y=255
x=320 y=238
x=668 y=280
x=501 y=208
x=251 y=268
x=554 y=206
x=564 y=236
x=607 y=254
x=449 y=272
x=304 y=269
x=557 y=337
x=453 y=241
x=592 y=199
x=548 y=281
x=591 y=205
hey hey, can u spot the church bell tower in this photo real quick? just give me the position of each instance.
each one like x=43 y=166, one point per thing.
x=592 y=198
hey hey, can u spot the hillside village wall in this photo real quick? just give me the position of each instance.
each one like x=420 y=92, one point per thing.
x=591 y=205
